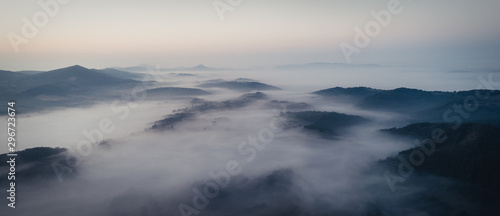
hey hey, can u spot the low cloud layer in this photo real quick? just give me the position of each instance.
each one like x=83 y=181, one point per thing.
x=239 y=160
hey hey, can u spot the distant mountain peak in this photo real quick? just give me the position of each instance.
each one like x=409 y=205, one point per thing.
x=75 y=67
x=201 y=66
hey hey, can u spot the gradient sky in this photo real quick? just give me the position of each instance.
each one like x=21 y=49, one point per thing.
x=98 y=34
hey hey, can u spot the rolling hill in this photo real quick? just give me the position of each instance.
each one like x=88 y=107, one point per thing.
x=65 y=87
x=423 y=105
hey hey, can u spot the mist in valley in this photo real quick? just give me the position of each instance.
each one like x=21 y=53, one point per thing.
x=232 y=151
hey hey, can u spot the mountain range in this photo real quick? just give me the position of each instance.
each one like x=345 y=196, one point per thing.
x=420 y=105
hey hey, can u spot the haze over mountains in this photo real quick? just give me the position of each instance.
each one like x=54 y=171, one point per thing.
x=201 y=67
x=144 y=67
x=69 y=86
x=422 y=105
x=77 y=85
x=235 y=143
x=250 y=108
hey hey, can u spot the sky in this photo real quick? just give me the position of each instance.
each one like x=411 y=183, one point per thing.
x=451 y=34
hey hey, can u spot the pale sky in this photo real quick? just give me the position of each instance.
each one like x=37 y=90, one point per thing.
x=99 y=34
